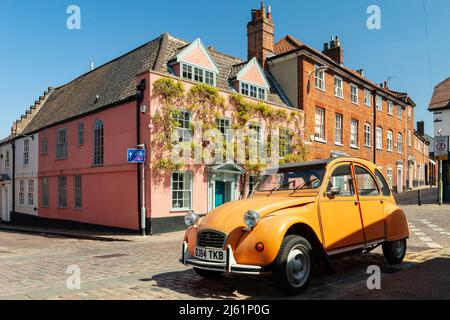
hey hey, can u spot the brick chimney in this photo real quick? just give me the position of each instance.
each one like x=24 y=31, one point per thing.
x=421 y=128
x=260 y=33
x=334 y=50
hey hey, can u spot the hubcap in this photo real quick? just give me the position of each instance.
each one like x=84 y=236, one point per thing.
x=297 y=266
x=399 y=247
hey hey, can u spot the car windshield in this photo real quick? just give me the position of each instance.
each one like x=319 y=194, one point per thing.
x=292 y=179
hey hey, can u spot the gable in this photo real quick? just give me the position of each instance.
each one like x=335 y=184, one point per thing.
x=253 y=74
x=196 y=54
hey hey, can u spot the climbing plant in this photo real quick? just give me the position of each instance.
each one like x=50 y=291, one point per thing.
x=206 y=104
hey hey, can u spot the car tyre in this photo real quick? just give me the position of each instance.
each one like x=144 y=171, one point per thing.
x=208 y=274
x=394 y=251
x=292 y=270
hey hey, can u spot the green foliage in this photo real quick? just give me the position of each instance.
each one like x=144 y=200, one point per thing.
x=168 y=89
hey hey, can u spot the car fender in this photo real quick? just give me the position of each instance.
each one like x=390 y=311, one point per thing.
x=270 y=231
x=396 y=223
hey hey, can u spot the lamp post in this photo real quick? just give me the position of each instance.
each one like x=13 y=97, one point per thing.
x=143 y=209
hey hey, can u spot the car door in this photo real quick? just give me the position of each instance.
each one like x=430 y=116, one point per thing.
x=371 y=203
x=339 y=214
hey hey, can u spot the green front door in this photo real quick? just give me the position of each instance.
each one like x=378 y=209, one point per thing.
x=220 y=194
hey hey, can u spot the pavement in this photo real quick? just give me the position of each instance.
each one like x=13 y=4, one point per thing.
x=43 y=266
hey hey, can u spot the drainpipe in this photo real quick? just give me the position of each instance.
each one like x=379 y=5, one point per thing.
x=374 y=94
x=139 y=97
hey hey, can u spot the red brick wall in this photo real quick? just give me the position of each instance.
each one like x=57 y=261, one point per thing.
x=310 y=98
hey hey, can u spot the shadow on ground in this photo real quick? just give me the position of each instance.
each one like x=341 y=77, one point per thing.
x=350 y=272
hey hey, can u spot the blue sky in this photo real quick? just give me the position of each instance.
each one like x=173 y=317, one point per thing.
x=37 y=49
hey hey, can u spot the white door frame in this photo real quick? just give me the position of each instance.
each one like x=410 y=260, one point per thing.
x=399 y=179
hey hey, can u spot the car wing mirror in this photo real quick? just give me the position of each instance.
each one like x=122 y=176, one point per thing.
x=333 y=192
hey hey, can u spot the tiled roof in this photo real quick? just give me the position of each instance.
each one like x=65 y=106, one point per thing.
x=6 y=140
x=288 y=43
x=441 y=96
x=115 y=82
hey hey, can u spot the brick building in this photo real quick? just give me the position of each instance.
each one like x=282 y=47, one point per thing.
x=76 y=137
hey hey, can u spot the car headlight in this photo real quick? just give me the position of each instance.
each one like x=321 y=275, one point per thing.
x=251 y=218
x=191 y=218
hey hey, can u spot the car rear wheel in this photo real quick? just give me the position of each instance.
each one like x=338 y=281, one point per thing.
x=293 y=264
x=208 y=274
x=394 y=251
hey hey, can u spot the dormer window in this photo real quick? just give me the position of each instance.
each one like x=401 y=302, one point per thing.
x=198 y=74
x=253 y=91
x=195 y=63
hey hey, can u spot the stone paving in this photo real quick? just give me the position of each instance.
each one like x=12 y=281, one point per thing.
x=34 y=267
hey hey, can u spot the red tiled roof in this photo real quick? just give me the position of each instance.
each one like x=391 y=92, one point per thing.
x=441 y=96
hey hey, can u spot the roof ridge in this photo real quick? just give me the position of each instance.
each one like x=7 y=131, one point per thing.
x=442 y=82
x=113 y=60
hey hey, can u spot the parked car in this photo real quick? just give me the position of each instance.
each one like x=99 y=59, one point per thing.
x=299 y=213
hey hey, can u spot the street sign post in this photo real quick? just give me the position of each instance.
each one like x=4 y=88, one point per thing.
x=441 y=154
x=138 y=156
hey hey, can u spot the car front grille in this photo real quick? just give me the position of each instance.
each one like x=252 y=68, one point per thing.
x=212 y=239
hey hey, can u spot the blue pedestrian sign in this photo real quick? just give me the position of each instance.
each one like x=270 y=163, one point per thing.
x=136 y=155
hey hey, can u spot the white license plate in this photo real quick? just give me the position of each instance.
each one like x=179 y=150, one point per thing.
x=215 y=255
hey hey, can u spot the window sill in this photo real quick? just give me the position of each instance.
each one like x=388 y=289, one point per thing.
x=367 y=105
x=390 y=114
x=320 y=89
x=180 y=210
x=354 y=147
x=380 y=149
x=320 y=140
x=342 y=98
x=339 y=144
x=355 y=103
x=368 y=146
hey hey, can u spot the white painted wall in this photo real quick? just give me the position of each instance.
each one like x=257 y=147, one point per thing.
x=5 y=187
x=444 y=124
x=26 y=173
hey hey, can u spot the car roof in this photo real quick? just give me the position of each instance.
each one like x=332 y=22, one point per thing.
x=319 y=163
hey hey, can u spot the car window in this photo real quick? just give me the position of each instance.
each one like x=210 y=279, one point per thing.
x=382 y=182
x=342 y=178
x=367 y=186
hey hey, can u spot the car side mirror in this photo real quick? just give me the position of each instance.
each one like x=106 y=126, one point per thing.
x=333 y=192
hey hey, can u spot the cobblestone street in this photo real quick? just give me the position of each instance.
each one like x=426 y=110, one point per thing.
x=34 y=267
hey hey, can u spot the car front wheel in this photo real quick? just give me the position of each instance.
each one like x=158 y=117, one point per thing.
x=394 y=251
x=293 y=264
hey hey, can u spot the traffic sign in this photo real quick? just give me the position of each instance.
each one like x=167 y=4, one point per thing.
x=441 y=147
x=136 y=155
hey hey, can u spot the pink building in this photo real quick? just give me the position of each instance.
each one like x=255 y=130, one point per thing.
x=86 y=126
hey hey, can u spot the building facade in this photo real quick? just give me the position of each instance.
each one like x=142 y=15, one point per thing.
x=5 y=179
x=295 y=102
x=440 y=107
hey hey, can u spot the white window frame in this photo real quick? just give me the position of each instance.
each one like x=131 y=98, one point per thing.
x=22 y=192
x=354 y=93
x=319 y=78
x=367 y=135
x=61 y=144
x=319 y=136
x=26 y=152
x=390 y=176
x=399 y=143
x=339 y=87
x=30 y=193
x=379 y=102
x=258 y=129
x=399 y=112
x=409 y=138
x=190 y=190
x=390 y=141
x=367 y=97
x=78 y=192
x=253 y=91
x=390 y=108
x=191 y=70
x=45 y=192
x=184 y=134
x=354 y=136
x=62 y=192
x=379 y=138
x=339 y=130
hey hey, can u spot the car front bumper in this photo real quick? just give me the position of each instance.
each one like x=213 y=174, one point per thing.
x=230 y=265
